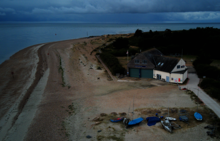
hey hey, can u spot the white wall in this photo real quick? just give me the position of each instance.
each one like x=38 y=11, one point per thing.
x=163 y=74
x=181 y=62
x=176 y=76
x=185 y=75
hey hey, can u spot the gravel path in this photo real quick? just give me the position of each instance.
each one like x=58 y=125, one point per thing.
x=193 y=85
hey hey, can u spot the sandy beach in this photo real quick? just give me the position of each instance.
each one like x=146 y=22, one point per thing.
x=56 y=90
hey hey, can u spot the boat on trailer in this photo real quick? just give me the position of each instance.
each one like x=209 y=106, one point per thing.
x=117 y=119
x=167 y=125
x=170 y=118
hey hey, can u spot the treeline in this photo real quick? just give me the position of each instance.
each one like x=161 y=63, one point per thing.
x=122 y=52
x=211 y=82
x=202 y=42
x=112 y=63
x=192 y=41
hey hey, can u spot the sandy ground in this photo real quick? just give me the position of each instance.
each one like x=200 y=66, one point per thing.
x=57 y=90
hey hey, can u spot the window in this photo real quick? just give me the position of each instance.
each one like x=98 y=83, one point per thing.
x=182 y=66
x=162 y=64
x=136 y=61
x=144 y=62
x=158 y=64
x=178 y=66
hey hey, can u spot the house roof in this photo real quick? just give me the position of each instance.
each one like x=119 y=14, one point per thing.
x=151 y=53
x=155 y=60
x=180 y=72
x=141 y=57
x=146 y=55
x=164 y=63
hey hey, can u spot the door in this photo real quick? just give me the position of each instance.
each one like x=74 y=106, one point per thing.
x=159 y=76
x=167 y=78
x=146 y=73
x=134 y=72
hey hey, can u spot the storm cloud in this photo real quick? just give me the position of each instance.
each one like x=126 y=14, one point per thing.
x=185 y=9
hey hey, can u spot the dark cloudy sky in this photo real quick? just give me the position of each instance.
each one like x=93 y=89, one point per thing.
x=111 y=11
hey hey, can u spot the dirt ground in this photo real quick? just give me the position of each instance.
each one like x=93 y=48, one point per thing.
x=76 y=91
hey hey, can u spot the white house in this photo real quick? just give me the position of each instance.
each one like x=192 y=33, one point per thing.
x=152 y=64
x=170 y=69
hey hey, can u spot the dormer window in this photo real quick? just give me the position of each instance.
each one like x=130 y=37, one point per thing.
x=182 y=66
x=144 y=62
x=158 y=64
x=136 y=61
x=162 y=64
x=178 y=66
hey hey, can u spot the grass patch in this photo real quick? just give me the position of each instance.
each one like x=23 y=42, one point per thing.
x=194 y=97
x=109 y=130
x=124 y=61
x=71 y=108
x=64 y=129
x=100 y=138
x=61 y=70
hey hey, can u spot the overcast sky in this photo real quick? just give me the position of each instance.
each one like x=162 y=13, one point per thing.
x=111 y=11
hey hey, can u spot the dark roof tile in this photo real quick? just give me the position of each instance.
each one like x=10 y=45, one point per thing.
x=146 y=55
x=165 y=63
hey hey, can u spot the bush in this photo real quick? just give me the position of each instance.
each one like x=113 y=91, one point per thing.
x=112 y=63
x=122 y=52
x=208 y=71
x=211 y=87
x=138 y=33
x=121 y=43
x=209 y=82
x=214 y=92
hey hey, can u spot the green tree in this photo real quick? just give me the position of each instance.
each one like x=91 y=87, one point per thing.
x=138 y=33
x=121 y=43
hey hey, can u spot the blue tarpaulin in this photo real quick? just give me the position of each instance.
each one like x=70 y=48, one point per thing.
x=152 y=120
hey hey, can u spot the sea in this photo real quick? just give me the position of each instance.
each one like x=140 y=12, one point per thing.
x=17 y=36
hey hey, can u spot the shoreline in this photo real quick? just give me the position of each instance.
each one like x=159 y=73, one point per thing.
x=8 y=58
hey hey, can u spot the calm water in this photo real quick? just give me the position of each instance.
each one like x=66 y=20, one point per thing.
x=16 y=36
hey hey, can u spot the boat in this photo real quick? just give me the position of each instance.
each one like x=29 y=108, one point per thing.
x=183 y=118
x=198 y=116
x=117 y=119
x=152 y=120
x=167 y=125
x=135 y=121
x=170 y=118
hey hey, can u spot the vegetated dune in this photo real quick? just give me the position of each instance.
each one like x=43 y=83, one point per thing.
x=59 y=87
